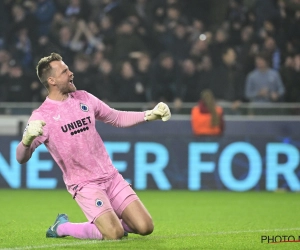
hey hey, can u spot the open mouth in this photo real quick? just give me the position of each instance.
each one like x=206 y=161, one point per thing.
x=71 y=81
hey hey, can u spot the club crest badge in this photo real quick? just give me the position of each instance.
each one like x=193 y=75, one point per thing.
x=84 y=107
x=99 y=203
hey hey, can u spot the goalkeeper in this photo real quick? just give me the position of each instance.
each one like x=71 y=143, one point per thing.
x=65 y=123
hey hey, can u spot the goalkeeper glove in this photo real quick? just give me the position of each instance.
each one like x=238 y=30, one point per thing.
x=160 y=111
x=33 y=130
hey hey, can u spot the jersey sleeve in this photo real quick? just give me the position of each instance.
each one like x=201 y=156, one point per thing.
x=115 y=117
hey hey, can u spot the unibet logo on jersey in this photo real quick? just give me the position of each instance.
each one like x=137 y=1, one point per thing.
x=77 y=127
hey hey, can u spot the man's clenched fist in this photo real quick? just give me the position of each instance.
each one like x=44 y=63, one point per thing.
x=160 y=111
x=33 y=130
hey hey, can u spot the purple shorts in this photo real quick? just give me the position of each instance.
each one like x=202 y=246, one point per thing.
x=113 y=195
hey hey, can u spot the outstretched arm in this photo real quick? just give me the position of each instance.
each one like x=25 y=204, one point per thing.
x=119 y=118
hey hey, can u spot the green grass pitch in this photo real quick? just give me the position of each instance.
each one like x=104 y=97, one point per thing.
x=183 y=220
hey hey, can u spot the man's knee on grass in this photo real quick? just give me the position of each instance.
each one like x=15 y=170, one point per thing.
x=114 y=233
x=109 y=226
x=145 y=227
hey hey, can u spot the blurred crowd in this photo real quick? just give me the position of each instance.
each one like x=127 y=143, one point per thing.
x=155 y=50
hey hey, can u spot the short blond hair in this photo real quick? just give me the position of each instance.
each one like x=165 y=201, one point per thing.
x=43 y=67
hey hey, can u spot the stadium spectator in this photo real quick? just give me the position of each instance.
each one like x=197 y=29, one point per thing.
x=103 y=82
x=179 y=45
x=290 y=73
x=245 y=51
x=266 y=10
x=190 y=86
x=207 y=116
x=236 y=11
x=141 y=8
x=127 y=85
x=66 y=45
x=78 y=8
x=199 y=49
x=4 y=20
x=219 y=44
x=57 y=23
x=206 y=73
x=165 y=76
x=81 y=68
x=17 y=84
x=96 y=60
x=44 y=11
x=196 y=29
x=126 y=41
x=293 y=30
x=142 y=29
x=143 y=66
x=22 y=49
x=20 y=20
x=272 y=51
x=228 y=84
x=264 y=84
x=5 y=58
x=87 y=37
x=236 y=17
x=44 y=46
x=173 y=17
x=235 y=33
x=107 y=31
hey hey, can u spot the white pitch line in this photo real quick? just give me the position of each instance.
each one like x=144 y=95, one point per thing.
x=88 y=242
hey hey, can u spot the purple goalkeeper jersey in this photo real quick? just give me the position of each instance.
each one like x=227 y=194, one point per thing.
x=71 y=137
